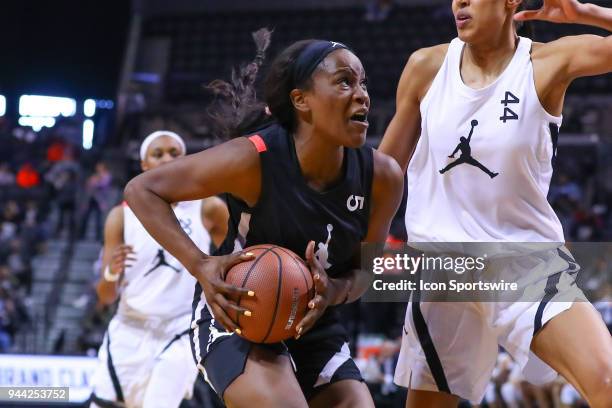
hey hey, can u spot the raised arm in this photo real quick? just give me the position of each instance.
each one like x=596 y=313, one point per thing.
x=232 y=167
x=559 y=62
x=403 y=131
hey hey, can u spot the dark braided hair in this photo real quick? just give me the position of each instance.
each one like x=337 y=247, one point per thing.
x=237 y=111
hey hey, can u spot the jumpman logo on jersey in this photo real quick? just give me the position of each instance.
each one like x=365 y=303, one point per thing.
x=162 y=262
x=186 y=225
x=466 y=154
x=322 y=253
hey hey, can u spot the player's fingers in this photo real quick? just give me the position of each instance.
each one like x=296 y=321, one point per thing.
x=307 y=322
x=238 y=257
x=230 y=290
x=528 y=15
x=318 y=302
x=311 y=259
x=321 y=281
x=230 y=306
x=221 y=315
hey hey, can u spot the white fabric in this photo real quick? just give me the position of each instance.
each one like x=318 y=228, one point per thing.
x=467 y=335
x=148 y=377
x=333 y=364
x=149 y=139
x=465 y=204
x=166 y=291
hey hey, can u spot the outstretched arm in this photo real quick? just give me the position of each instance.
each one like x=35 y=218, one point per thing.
x=575 y=56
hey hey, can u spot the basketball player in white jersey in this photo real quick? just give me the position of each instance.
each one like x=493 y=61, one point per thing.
x=145 y=360
x=497 y=98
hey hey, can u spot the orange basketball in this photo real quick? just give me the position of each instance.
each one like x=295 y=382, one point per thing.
x=283 y=287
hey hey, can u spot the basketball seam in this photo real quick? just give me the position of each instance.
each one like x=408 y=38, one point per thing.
x=246 y=278
x=299 y=264
x=278 y=292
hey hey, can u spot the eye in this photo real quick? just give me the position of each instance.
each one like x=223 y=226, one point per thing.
x=344 y=81
x=174 y=153
x=364 y=83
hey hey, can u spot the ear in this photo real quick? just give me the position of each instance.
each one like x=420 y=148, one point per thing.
x=143 y=165
x=299 y=100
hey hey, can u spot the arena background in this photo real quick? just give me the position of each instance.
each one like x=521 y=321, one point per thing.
x=122 y=70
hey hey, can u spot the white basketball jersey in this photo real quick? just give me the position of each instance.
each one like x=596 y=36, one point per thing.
x=157 y=286
x=495 y=186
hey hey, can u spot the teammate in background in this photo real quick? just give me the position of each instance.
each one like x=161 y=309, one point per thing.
x=145 y=359
x=304 y=179
x=515 y=90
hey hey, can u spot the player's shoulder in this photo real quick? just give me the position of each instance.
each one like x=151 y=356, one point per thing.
x=387 y=172
x=114 y=219
x=420 y=70
x=428 y=60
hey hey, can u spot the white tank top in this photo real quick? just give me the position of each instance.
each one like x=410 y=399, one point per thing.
x=157 y=286
x=495 y=187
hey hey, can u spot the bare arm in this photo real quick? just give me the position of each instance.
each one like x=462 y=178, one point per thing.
x=214 y=217
x=232 y=167
x=403 y=132
x=114 y=256
x=558 y=63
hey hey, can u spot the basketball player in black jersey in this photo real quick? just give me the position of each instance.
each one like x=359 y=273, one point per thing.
x=304 y=180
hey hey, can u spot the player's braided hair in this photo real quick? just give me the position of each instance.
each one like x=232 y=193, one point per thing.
x=236 y=109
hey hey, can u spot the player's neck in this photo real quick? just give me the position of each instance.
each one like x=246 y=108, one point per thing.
x=490 y=58
x=321 y=163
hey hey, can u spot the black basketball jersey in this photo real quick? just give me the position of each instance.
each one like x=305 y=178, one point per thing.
x=290 y=214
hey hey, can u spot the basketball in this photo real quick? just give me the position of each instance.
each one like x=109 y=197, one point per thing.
x=283 y=287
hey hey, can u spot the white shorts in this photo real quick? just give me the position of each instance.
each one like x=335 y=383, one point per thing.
x=453 y=346
x=146 y=368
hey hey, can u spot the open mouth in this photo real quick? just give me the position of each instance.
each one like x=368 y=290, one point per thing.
x=360 y=117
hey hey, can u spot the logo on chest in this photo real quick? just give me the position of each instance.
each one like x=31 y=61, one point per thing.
x=466 y=154
x=354 y=202
x=322 y=253
x=160 y=260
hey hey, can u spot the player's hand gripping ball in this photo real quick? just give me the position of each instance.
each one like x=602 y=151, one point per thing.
x=283 y=287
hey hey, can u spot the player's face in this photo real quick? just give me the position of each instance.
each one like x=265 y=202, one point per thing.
x=160 y=151
x=339 y=100
x=479 y=20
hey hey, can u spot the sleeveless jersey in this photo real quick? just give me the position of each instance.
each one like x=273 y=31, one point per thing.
x=157 y=286
x=290 y=214
x=503 y=144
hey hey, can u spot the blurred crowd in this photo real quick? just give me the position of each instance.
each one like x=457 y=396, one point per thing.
x=46 y=193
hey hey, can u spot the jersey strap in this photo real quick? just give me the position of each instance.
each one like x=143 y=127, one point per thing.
x=259 y=143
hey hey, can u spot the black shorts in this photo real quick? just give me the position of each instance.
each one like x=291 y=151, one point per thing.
x=319 y=357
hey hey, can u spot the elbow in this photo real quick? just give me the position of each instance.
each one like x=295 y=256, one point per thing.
x=130 y=191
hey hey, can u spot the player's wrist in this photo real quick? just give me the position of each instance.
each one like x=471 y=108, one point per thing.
x=109 y=276
x=340 y=291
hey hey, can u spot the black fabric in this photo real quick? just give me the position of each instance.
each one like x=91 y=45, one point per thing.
x=290 y=214
x=113 y=373
x=311 y=57
x=225 y=358
x=554 y=135
x=549 y=292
